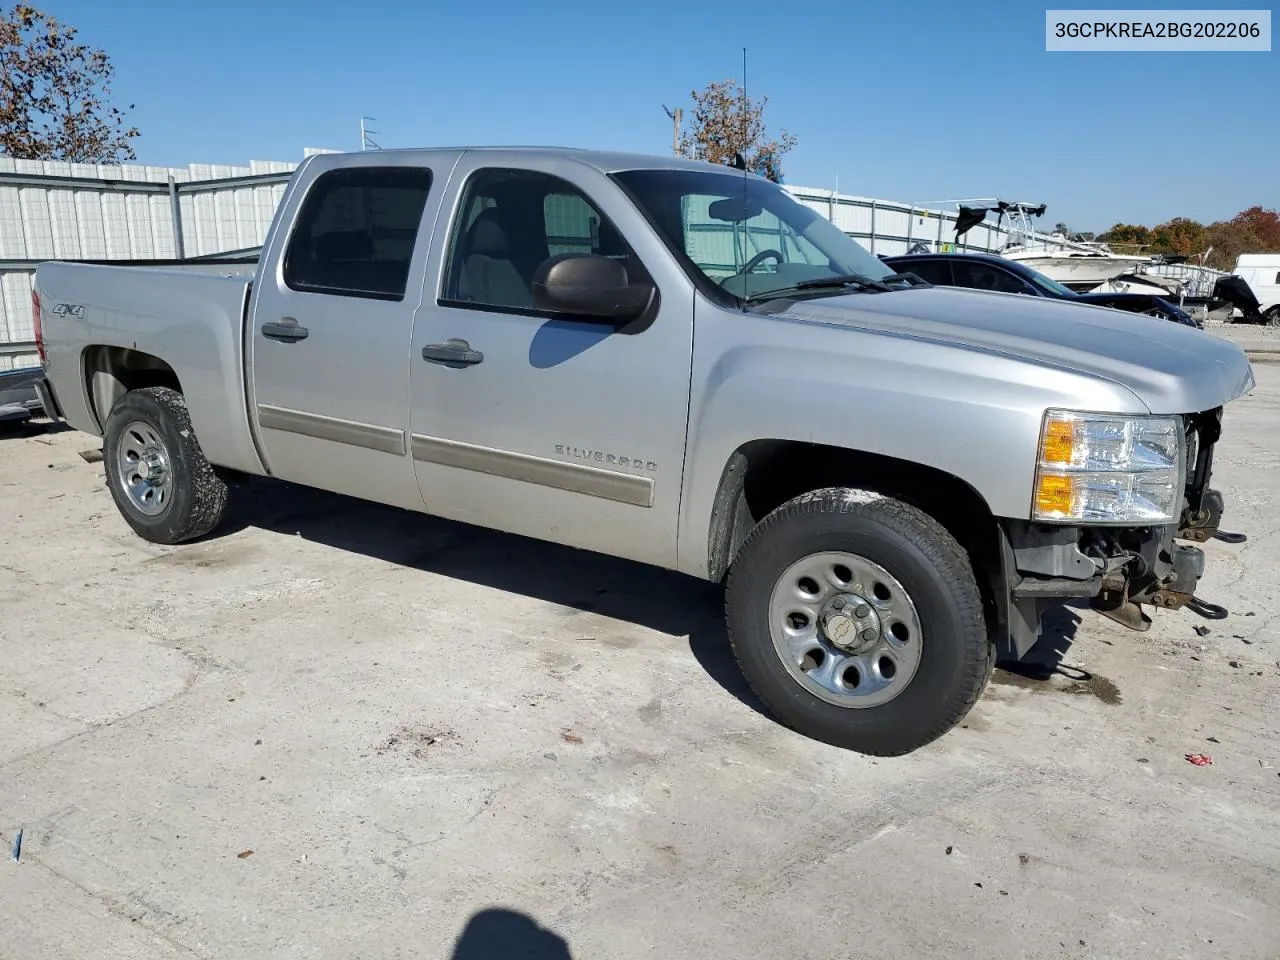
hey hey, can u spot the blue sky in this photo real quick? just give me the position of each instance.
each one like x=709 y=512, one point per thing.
x=900 y=101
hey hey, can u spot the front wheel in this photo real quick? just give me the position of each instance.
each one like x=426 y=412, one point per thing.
x=159 y=478
x=856 y=618
x=1272 y=317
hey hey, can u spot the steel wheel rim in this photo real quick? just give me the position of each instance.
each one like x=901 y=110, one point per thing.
x=142 y=463
x=838 y=652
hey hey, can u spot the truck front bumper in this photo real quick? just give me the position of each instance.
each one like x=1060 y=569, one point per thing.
x=1120 y=569
x=1145 y=567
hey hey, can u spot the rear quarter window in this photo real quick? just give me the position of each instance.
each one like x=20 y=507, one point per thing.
x=355 y=232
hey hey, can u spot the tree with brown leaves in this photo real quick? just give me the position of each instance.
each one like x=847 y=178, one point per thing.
x=55 y=94
x=1255 y=230
x=725 y=123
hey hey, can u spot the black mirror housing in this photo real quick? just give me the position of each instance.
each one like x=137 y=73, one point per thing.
x=735 y=209
x=589 y=285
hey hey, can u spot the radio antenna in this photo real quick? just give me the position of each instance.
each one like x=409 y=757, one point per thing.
x=742 y=160
x=746 y=106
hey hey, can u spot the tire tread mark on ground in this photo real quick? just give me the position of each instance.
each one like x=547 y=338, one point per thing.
x=897 y=808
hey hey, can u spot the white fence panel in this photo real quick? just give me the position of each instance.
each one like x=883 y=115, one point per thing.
x=85 y=211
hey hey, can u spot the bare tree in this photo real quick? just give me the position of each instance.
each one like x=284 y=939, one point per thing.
x=55 y=94
x=725 y=122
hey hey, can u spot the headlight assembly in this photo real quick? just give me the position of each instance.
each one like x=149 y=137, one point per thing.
x=1099 y=468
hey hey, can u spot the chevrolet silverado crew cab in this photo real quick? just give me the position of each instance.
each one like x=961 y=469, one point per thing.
x=679 y=364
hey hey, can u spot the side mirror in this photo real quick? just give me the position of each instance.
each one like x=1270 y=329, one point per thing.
x=589 y=285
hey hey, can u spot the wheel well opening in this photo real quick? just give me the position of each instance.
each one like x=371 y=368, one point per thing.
x=111 y=372
x=765 y=474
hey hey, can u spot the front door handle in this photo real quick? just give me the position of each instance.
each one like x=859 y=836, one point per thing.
x=287 y=330
x=452 y=353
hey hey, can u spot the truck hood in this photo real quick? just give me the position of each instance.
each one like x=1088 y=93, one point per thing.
x=1170 y=367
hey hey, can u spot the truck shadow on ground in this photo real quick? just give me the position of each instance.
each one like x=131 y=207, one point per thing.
x=35 y=427
x=1045 y=668
x=1045 y=659
x=660 y=600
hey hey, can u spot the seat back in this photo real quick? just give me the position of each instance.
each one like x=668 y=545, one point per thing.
x=488 y=273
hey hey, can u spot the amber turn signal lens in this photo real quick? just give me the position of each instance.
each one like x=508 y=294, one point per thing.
x=1053 y=495
x=1059 y=442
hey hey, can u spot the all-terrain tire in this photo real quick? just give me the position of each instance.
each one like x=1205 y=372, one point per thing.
x=955 y=658
x=195 y=498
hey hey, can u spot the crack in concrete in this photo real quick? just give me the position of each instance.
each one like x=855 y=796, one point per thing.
x=116 y=907
x=42 y=706
x=202 y=664
x=91 y=728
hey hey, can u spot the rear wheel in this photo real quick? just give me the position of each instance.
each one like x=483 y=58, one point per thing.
x=1273 y=317
x=160 y=480
x=857 y=620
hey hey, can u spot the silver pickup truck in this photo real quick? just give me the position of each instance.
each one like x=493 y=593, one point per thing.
x=679 y=364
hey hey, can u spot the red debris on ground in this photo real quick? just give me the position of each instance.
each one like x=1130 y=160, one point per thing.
x=1200 y=759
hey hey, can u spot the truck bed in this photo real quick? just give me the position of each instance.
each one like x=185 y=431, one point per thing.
x=242 y=263
x=189 y=313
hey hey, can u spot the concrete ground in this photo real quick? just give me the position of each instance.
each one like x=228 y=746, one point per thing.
x=340 y=731
x=1261 y=342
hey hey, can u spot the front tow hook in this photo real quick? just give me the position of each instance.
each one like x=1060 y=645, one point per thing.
x=1210 y=611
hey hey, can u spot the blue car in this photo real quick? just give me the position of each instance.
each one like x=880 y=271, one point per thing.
x=983 y=271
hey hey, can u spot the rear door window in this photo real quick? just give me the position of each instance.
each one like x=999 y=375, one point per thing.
x=356 y=232
x=983 y=276
x=937 y=272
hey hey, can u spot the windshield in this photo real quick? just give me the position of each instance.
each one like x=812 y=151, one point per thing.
x=1053 y=286
x=747 y=236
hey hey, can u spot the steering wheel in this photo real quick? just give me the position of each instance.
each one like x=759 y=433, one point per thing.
x=756 y=261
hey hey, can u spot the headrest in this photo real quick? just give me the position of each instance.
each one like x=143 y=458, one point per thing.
x=344 y=245
x=487 y=237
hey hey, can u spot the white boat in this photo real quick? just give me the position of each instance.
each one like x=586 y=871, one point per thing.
x=1079 y=264
x=1074 y=267
x=1141 y=283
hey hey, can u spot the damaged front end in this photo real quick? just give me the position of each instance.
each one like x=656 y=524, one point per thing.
x=1119 y=568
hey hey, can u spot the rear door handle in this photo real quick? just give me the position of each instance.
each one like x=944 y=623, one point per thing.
x=287 y=330
x=452 y=353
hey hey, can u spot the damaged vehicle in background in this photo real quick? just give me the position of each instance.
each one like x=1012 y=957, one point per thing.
x=681 y=365
x=984 y=271
x=20 y=398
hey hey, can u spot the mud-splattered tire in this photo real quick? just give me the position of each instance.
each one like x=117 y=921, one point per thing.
x=856 y=618
x=160 y=480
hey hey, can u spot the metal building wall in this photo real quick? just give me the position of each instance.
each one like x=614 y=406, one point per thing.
x=892 y=228
x=58 y=210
